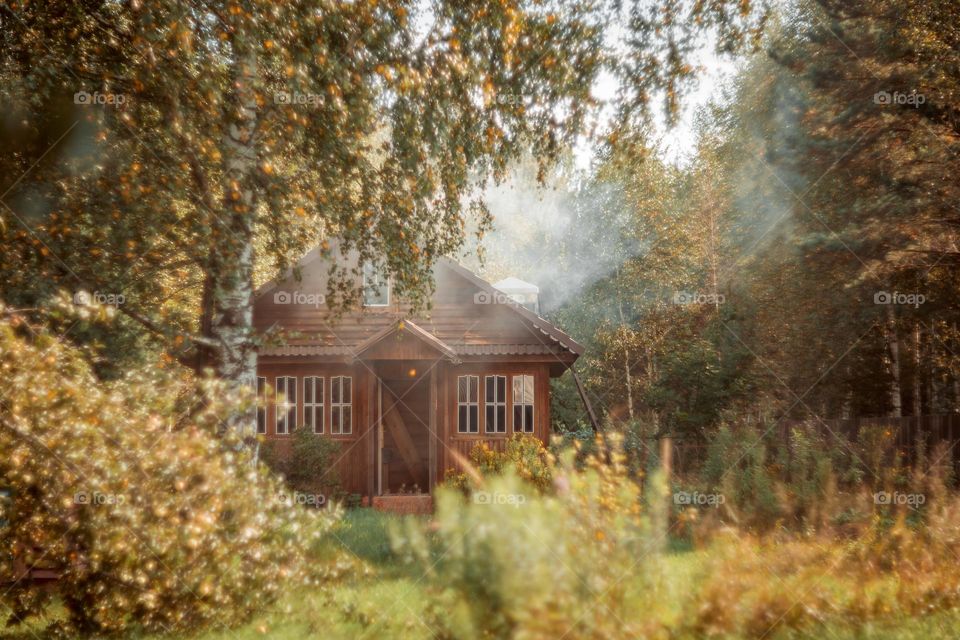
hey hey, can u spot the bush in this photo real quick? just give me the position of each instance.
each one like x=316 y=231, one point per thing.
x=309 y=465
x=514 y=563
x=523 y=455
x=152 y=521
x=754 y=589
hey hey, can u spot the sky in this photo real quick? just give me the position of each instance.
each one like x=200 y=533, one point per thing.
x=678 y=142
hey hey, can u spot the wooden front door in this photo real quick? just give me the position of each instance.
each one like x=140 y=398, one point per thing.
x=405 y=402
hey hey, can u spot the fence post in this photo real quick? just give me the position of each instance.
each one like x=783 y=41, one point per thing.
x=666 y=456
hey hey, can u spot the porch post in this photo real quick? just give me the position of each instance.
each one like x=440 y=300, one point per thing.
x=432 y=425
x=373 y=422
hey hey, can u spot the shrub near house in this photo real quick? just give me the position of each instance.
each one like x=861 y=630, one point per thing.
x=151 y=520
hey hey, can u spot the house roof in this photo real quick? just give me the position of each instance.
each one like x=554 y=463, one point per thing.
x=405 y=326
x=454 y=329
x=544 y=326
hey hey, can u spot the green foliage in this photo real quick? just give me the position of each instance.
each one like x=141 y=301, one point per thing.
x=737 y=467
x=512 y=562
x=803 y=479
x=307 y=462
x=524 y=455
x=151 y=519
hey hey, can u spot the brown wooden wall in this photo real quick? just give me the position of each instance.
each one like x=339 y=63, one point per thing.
x=455 y=317
x=357 y=454
x=355 y=448
x=463 y=443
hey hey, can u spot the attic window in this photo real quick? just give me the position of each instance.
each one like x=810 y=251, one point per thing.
x=376 y=286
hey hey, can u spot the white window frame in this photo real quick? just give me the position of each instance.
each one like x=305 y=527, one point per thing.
x=497 y=403
x=370 y=269
x=523 y=379
x=337 y=427
x=262 y=404
x=314 y=409
x=468 y=403
x=283 y=386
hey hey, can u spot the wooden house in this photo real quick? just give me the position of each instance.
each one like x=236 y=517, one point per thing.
x=404 y=393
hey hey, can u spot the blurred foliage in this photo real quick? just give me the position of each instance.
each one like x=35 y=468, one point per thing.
x=127 y=490
x=805 y=479
x=514 y=562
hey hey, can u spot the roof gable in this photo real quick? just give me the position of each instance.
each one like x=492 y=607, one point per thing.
x=468 y=317
x=403 y=332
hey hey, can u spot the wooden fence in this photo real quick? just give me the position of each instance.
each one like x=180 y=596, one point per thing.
x=907 y=433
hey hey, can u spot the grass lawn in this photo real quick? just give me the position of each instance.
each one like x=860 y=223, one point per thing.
x=382 y=599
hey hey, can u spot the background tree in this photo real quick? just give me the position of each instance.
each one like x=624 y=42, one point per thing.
x=159 y=145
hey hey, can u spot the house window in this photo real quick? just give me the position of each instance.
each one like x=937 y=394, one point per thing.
x=376 y=286
x=313 y=403
x=261 y=404
x=286 y=404
x=341 y=407
x=496 y=404
x=523 y=403
x=468 y=392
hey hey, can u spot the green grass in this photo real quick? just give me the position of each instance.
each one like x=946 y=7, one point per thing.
x=383 y=599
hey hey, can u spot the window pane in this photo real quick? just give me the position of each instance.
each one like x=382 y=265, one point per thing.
x=376 y=287
x=462 y=387
x=474 y=388
x=473 y=419
x=335 y=420
x=347 y=420
x=501 y=418
x=517 y=417
x=501 y=388
x=462 y=419
x=318 y=392
x=261 y=387
x=527 y=389
x=346 y=390
x=335 y=389
x=491 y=382
x=292 y=388
x=491 y=418
x=262 y=420
x=528 y=417
x=307 y=390
x=517 y=389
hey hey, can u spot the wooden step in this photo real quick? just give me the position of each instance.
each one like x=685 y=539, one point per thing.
x=404 y=504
